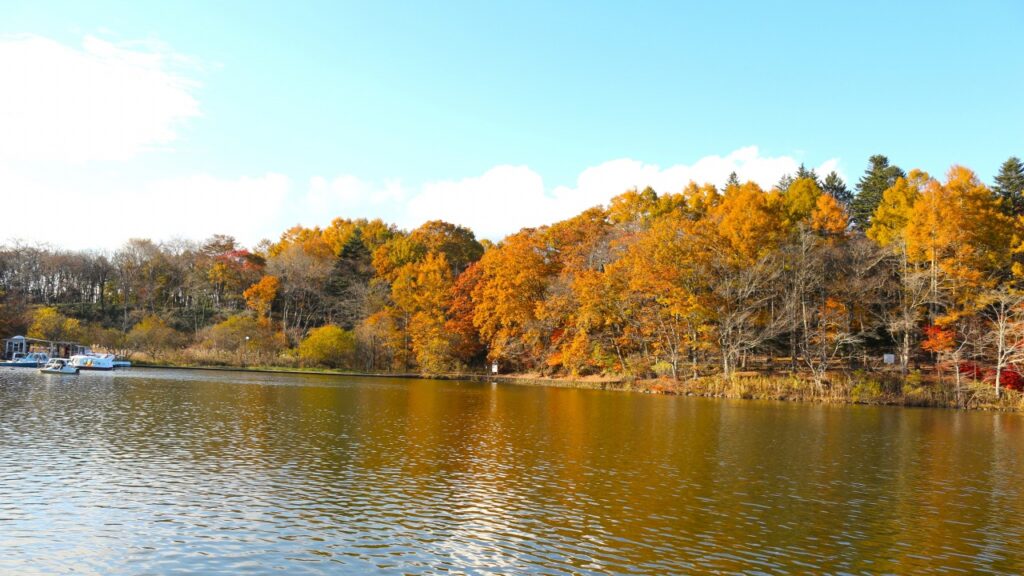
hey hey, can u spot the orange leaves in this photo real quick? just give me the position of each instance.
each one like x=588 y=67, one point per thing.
x=329 y=241
x=423 y=286
x=750 y=221
x=514 y=276
x=460 y=314
x=457 y=243
x=261 y=295
x=828 y=216
x=938 y=339
x=957 y=230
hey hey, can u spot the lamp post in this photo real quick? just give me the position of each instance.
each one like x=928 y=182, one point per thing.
x=245 y=351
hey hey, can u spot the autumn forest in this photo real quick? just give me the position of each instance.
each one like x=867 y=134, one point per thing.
x=810 y=278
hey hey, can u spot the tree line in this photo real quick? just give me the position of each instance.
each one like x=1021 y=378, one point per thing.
x=808 y=276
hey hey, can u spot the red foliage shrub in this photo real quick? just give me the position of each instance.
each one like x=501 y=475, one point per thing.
x=971 y=370
x=1011 y=379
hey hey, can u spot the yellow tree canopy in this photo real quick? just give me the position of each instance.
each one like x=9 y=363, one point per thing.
x=750 y=221
x=801 y=198
x=890 y=220
x=958 y=231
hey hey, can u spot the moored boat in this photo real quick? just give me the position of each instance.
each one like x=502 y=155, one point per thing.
x=30 y=360
x=93 y=361
x=58 y=366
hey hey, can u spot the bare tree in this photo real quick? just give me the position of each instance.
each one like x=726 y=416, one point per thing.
x=743 y=296
x=1005 y=312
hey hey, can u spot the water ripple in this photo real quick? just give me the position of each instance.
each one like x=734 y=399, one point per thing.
x=147 y=471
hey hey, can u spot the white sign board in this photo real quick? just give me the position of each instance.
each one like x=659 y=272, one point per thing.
x=889 y=358
x=494 y=368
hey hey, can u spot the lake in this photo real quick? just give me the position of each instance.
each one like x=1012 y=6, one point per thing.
x=159 y=471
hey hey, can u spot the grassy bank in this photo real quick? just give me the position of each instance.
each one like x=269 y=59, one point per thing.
x=841 y=388
x=854 y=388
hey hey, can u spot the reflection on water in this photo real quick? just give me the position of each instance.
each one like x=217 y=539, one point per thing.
x=160 y=471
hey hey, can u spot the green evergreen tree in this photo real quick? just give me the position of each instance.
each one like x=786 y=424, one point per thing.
x=347 y=284
x=732 y=181
x=879 y=176
x=803 y=172
x=785 y=182
x=1009 y=186
x=835 y=187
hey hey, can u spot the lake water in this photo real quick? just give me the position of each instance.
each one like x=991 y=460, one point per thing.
x=158 y=471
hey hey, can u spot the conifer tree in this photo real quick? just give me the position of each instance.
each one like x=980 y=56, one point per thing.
x=732 y=181
x=348 y=280
x=803 y=172
x=836 y=188
x=785 y=182
x=1009 y=186
x=879 y=176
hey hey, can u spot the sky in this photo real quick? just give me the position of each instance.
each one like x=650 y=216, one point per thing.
x=184 y=119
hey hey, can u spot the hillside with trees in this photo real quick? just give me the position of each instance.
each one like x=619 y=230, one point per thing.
x=808 y=278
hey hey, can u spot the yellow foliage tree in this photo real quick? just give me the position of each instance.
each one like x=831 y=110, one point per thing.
x=801 y=199
x=750 y=221
x=890 y=220
x=957 y=230
x=421 y=292
x=49 y=324
x=153 y=336
x=329 y=346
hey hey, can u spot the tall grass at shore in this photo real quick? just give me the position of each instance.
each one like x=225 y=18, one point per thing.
x=848 y=388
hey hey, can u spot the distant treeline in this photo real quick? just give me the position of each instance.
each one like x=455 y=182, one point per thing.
x=809 y=276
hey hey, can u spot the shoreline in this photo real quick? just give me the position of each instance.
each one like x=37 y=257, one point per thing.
x=780 y=388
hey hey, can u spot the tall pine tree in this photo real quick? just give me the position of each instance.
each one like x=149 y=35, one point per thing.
x=732 y=181
x=877 y=178
x=835 y=187
x=346 y=287
x=785 y=182
x=803 y=172
x=1009 y=186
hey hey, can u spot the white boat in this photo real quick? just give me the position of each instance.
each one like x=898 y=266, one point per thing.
x=30 y=360
x=93 y=361
x=58 y=366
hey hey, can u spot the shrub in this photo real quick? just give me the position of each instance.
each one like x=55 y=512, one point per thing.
x=662 y=368
x=329 y=346
x=868 y=390
x=1011 y=379
x=246 y=336
x=971 y=369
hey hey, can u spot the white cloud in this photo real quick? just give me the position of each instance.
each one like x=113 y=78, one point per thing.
x=191 y=207
x=507 y=198
x=500 y=201
x=103 y=101
x=352 y=197
x=249 y=208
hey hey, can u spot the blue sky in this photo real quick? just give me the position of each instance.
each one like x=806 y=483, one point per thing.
x=499 y=114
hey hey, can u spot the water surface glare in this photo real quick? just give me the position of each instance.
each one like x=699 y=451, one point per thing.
x=160 y=471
